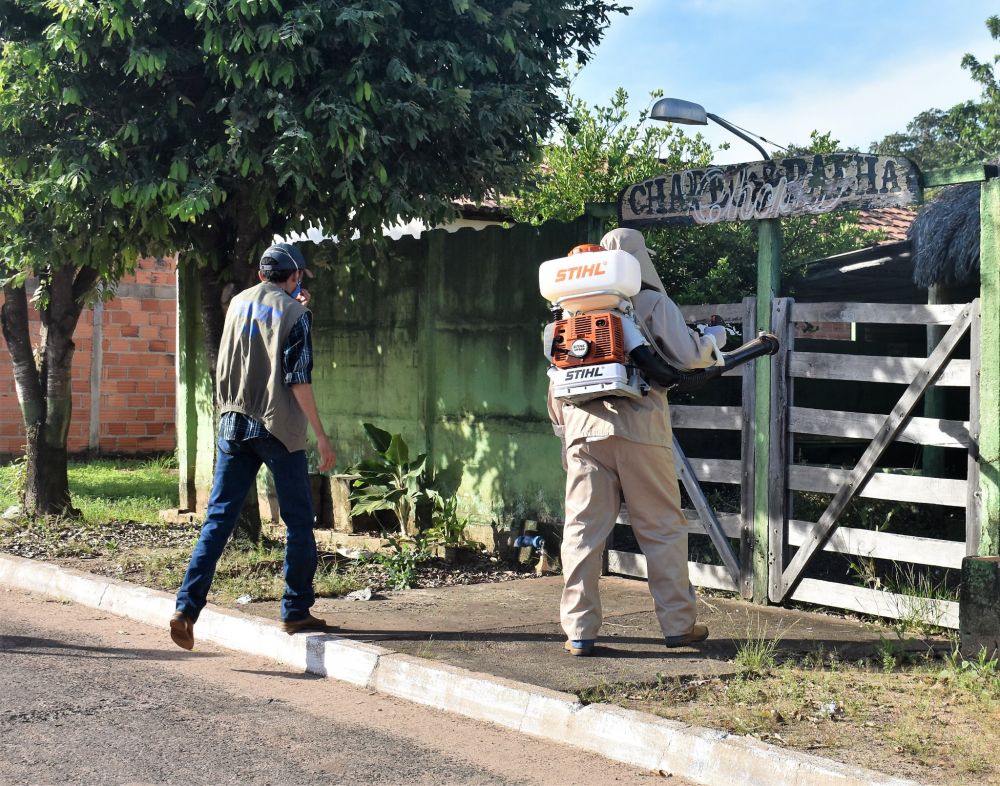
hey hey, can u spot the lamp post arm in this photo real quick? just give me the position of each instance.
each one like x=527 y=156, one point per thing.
x=732 y=129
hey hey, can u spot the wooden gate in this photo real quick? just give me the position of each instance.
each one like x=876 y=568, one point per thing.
x=786 y=575
x=792 y=543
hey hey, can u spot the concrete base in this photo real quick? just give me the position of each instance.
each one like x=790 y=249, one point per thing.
x=979 y=606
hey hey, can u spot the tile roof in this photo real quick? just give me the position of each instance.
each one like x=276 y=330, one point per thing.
x=895 y=221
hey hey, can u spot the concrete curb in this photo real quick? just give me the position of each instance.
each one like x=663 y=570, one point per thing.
x=714 y=758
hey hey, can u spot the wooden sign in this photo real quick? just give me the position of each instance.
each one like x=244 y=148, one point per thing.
x=804 y=185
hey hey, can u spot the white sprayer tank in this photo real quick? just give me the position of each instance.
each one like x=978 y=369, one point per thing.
x=591 y=281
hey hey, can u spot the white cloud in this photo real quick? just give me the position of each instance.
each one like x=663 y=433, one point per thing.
x=857 y=113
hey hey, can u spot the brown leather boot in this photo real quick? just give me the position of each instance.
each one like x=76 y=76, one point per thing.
x=307 y=623
x=693 y=636
x=182 y=630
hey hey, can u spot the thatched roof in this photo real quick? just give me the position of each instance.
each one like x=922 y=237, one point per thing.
x=945 y=238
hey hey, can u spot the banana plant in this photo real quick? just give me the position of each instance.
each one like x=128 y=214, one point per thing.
x=389 y=480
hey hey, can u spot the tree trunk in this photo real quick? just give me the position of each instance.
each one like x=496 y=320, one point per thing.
x=44 y=387
x=231 y=274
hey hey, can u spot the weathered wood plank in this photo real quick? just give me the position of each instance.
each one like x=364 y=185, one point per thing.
x=881 y=485
x=711 y=524
x=866 y=466
x=949 y=176
x=943 y=613
x=973 y=510
x=989 y=368
x=682 y=416
x=877 y=313
x=731 y=312
x=777 y=465
x=627 y=563
x=768 y=287
x=863 y=425
x=859 y=542
x=880 y=545
x=730 y=522
x=717 y=470
x=873 y=368
x=748 y=540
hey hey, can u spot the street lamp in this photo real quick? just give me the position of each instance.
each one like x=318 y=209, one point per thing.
x=675 y=110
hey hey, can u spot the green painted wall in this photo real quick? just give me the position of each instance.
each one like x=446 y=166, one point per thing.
x=441 y=342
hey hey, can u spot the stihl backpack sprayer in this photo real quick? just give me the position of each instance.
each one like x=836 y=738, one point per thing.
x=596 y=344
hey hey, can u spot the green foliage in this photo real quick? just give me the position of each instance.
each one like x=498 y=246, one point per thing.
x=598 y=152
x=979 y=676
x=967 y=133
x=756 y=655
x=447 y=528
x=939 y=138
x=246 y=117
x=107 y=490
x=402 y=562
x=389 y=480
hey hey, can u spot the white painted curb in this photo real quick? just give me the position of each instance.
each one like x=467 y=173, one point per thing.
x=714 y=758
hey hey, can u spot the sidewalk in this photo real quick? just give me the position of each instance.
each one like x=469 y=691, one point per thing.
x=511 y=630
x=494 y=652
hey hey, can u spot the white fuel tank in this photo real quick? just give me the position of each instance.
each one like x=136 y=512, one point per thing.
x=590 y=281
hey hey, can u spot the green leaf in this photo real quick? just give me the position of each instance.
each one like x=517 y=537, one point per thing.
x=398 y=452
x=380 y=439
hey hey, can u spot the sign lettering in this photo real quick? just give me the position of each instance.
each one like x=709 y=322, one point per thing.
x=802 y=185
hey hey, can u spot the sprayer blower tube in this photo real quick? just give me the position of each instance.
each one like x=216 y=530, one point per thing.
x=656 y=370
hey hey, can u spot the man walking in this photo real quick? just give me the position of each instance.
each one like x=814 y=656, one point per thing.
x=265 y=397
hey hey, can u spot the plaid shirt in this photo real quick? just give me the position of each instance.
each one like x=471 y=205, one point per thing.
x=296 y=360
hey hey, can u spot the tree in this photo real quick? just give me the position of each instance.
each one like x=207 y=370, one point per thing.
x=967 y=133
x=597 y=152
x=209 y=126
x=57 y=227
x=934 y=138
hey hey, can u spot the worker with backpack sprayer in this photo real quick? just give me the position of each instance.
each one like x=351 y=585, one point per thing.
x=615 y=425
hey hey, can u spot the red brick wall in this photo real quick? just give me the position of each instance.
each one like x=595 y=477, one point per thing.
x=136 y=397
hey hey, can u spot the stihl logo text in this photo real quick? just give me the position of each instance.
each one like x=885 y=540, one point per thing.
x=583 y=373
x=582 y=271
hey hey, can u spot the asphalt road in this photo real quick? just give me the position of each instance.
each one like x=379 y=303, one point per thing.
x=89 y=698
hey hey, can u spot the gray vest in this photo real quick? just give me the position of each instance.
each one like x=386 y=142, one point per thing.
x=250 y=375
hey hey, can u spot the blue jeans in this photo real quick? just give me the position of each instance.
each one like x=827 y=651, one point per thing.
x=236 y=470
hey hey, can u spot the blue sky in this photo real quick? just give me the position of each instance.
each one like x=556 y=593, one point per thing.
x=784 y=67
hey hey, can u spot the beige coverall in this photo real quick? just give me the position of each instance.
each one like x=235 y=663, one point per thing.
x=616 y=447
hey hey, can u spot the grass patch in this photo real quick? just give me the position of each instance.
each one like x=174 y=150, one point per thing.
x=929 y=718
x=109 y=489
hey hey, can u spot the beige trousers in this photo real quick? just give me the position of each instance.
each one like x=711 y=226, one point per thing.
x=597 y=474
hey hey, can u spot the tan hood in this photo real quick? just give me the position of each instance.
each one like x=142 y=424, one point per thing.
x=631 y=240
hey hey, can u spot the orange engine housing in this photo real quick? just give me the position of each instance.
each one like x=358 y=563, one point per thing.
x=601 y=330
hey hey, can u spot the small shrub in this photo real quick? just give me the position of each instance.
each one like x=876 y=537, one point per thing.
x=401 y=563
x=447 y=529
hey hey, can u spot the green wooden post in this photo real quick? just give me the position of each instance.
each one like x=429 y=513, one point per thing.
x=768 y=286
x=989 y=385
